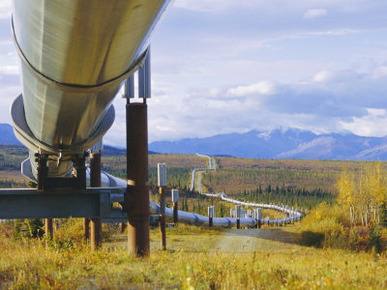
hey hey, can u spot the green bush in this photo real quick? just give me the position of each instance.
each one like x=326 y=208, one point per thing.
x=376 y=239
x=28 y=228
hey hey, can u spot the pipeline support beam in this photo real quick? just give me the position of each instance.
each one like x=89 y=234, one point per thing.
x=175 y=212
x=86 y=229
x=136 y=202
x=27 y=203
x=95 y=181
x=48 y=228
x=163 y=237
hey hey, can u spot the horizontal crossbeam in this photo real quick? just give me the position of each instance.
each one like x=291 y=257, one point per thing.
x=28 y=203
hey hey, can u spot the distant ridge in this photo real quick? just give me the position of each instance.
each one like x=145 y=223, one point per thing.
x=7 y=136
x=278 y=144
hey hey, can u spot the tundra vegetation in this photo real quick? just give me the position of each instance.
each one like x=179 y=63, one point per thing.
x=341 y=243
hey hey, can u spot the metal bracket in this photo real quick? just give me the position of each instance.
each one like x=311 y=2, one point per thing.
x=96 y=202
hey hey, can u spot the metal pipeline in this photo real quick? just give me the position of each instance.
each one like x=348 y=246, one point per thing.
x=74 y=56
x=293 y=214
x=197 y=219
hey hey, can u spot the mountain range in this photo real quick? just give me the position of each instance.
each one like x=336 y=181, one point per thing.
x=7 y=136
x=276 y=144
x=279 y=144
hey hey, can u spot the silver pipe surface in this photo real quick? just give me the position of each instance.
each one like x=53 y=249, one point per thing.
x=194 y=218
x=75 y=54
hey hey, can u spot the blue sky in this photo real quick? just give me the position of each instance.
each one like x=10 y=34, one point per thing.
x=225 y=66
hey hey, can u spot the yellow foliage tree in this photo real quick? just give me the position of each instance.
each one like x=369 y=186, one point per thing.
x=363 y=192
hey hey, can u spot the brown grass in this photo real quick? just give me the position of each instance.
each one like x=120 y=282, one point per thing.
x=191 y=261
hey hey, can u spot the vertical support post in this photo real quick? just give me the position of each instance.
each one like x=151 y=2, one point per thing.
x=136 y=201
x=56 y=224
x=161 y=183
x=292 y=216
x=42 y=171
x=175 y=212
x=175 y=200
x=258 y=217
x=122 y=227
x=48 y=228
x=42 y=178
x=255 y=216
x=95 y=234
x=163 y=240
x=238 y=214
x=210 y=216
x=95 y=181
x=144 y=77
x=80 y=167
x=86 y=229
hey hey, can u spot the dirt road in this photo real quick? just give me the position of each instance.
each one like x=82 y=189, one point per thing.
x=251 y=240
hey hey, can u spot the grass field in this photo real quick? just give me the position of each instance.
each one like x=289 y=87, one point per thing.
x=195 y=258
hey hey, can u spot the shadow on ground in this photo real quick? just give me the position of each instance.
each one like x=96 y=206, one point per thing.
x=276 y=234
x=250 y=240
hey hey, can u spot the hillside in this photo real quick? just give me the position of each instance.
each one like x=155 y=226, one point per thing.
x=277 y=144
x=7 y=136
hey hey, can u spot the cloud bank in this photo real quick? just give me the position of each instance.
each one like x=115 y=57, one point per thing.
x=227 y=66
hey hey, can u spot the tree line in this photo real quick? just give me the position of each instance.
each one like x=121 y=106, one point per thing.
x=291 y=196
x=363 y=193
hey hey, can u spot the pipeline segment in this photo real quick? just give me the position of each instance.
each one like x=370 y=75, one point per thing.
x=74 y=55
x=194 y=218
x=293 y=214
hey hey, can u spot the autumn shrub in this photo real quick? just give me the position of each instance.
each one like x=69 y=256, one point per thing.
x=363 y=193
x=329 y=227
x=28 y=228
x=376 y=239
x=324 y=226
x=358 y=238
x=383 y=238
x=69 y=229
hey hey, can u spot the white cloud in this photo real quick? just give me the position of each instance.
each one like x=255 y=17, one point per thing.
x=315 y=13
x=340 y=101
x=335 y=32
x=5 y=9
x=9 y=69
x=225 y=66
x=261 y=88
x=380 y=71
x=323 y=76
x=7 y=96
x=341 y=76
x=376 y=112
x=373 y=124
x=214 y=5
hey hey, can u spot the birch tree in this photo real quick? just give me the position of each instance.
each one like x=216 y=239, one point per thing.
x=363 y=192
